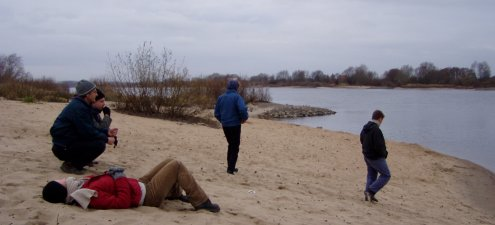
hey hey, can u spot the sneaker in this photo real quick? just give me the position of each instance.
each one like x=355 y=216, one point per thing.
x=370 y=196
x=67 y=167
x=212 y=207
x=232 y=171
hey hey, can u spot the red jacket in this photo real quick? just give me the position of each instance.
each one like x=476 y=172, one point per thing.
x=121 y=193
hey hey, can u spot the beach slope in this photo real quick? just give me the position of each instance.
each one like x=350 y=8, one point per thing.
x=288 y=174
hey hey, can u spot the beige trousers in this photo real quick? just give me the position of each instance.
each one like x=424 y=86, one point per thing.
x=167 y=179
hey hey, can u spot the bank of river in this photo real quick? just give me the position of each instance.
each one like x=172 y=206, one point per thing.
x=455 y=122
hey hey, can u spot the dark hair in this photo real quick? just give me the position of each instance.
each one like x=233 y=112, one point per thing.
x=54 y=192
x=99 y=95
x=377 y=114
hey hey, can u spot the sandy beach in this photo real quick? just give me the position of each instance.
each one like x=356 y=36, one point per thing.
x=288 y=174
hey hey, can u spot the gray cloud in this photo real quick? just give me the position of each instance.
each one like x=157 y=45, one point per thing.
x=73 y=39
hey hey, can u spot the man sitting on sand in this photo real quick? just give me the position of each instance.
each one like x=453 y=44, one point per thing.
x=98 y=106
x=76 y=139
x=113 y=190
x=375 y=155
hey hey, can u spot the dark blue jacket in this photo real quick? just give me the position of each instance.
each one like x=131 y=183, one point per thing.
x=75 y=123
x=373 y=142
x=230 y=109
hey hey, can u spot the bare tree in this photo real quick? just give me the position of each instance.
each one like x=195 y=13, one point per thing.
x=424 y=72
x=12 y=68
x=482 y=70
x=282 y=76
x=149 y=83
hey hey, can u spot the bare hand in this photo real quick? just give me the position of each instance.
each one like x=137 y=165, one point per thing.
x=113 y=132
x=111 y=140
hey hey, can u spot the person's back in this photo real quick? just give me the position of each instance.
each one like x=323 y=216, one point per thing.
x=375 y=154
x=230 y=109
x=373 y=142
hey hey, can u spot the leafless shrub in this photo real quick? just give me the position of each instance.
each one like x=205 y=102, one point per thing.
x=151 y=84
x=44 y=89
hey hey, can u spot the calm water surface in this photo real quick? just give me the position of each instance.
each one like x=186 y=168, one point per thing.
x=460 y=123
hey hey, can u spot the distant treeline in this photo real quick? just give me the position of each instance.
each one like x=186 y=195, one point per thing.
x=141 y=82
x=426 y=74
x=144 y=82
x=16 y=83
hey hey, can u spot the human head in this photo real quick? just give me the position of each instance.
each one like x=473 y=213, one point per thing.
x=84 y=87
x=54 y=192
x=232 y=84
x=99 y=100
x=378 y=115
x=86 y=90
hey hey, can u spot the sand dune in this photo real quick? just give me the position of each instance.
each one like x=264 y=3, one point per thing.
x=288 y=174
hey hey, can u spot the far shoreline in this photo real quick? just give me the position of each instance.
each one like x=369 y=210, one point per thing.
x=426 y=87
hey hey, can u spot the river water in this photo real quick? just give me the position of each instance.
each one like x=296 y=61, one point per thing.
x=459 y=123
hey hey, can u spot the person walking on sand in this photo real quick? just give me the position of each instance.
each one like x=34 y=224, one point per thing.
x=375 y=155
x=113 y=190
x=231 y=111
x=76 y=139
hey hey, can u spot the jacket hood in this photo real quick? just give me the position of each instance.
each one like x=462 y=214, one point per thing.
x=369 y=126
x=232 y=85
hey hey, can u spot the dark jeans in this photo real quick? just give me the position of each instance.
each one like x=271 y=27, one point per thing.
x=374 y=182
x=81 y=153
x=233 y=135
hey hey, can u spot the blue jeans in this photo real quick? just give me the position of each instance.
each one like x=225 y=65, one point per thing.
x=373 y=182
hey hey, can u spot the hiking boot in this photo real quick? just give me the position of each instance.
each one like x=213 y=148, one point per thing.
x=67 y=167
x=212 y=207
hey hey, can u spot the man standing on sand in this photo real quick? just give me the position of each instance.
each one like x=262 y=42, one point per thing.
x=76 y=140
x=231 y=111
x=375 y=155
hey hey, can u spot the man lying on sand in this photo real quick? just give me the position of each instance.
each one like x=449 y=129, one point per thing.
x=113 y=190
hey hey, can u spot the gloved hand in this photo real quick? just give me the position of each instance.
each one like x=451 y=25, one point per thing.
x=106 y=111
x=116 y=172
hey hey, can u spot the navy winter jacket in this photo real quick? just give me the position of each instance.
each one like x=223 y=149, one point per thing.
x=373 y=142
x=230 y=109
x=75 y=123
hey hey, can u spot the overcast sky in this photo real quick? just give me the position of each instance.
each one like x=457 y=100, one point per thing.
x=72 y=40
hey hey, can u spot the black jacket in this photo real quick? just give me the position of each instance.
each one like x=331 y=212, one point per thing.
x=372 y=141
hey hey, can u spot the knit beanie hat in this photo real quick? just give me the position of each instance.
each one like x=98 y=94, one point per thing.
x=100 y=94
x=83 y=87
x=54 y=192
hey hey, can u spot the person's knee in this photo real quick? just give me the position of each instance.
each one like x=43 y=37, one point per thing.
x=386 y=176
x=175 y=163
